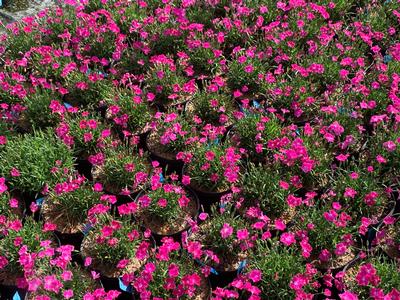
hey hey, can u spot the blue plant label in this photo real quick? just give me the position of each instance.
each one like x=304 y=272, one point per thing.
x=387 y=58
x=39 y=201
x=213 y=143
x=16 y=295
x=67 y=105
x=162 y=179
x=212 y=270
x=297 y=132
x=242 y=265
x=256 y=104
x=87 y=228
x=123 y=287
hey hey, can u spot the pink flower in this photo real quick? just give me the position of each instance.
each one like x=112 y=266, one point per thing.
x=280 y=225
x=242 y=234
x=122 y=263
x=173 y=270
x=342 y=157
x=203 y=216
x=68 y=294
x=51 y=283
x=389 y=146
x=15 y=173
x=255 y=275
x=287 y=238
x=88 y=261
x=380 y=159
x=348 y=296
x=297 y=282
x=3 y=186
x=249 y=69
x=294 y=201
x=283 y=184
x=226 y=231
x=324 y=256
x=336 y=128
x=162 y=202
x=350 y=193
x=98 y=187
x=185 y=180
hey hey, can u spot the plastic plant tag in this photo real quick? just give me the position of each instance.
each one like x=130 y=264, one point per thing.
x=39 y=201
x=87 y=228
x=123 y=287
x=387 y=58
x=67 y=105
x=16 y=296
x=242 y=265
x=256 y=104
x=162 y=179
x=297 y=132
x=213 y=143
x=212 y=270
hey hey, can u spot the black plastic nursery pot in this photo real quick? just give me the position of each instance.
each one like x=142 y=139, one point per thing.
x=164 y=107
x=9 y=292
x=177 y=236
x=26 y=200
x=208 y=198
x=74 y=239
x=369 y=238
x=222 y=279
x=116 y=284
x=84 y=167
x=124 y=199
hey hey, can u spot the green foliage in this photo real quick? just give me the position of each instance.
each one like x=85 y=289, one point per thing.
x=325 y=234
x=364 y=184
x=174 y=211
x=81 y=282
x=238 y=77
x=320 y=152
x=260 y=185
x=120 y=167
x=135 y=115
x=278 y=265
x=38 y=113
x=86 y=131
x=386 y=269
x=203 y=177
x=31 y=235
x=162 y=86
x=18 y=42
x=5 y=207
x=254 y=129
x=34 y=156
x=125 y=248
x=88 y=96
x=160 y=277
x=210 y=106
x=69 y=209
x=228 y=248
x=203 y=60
